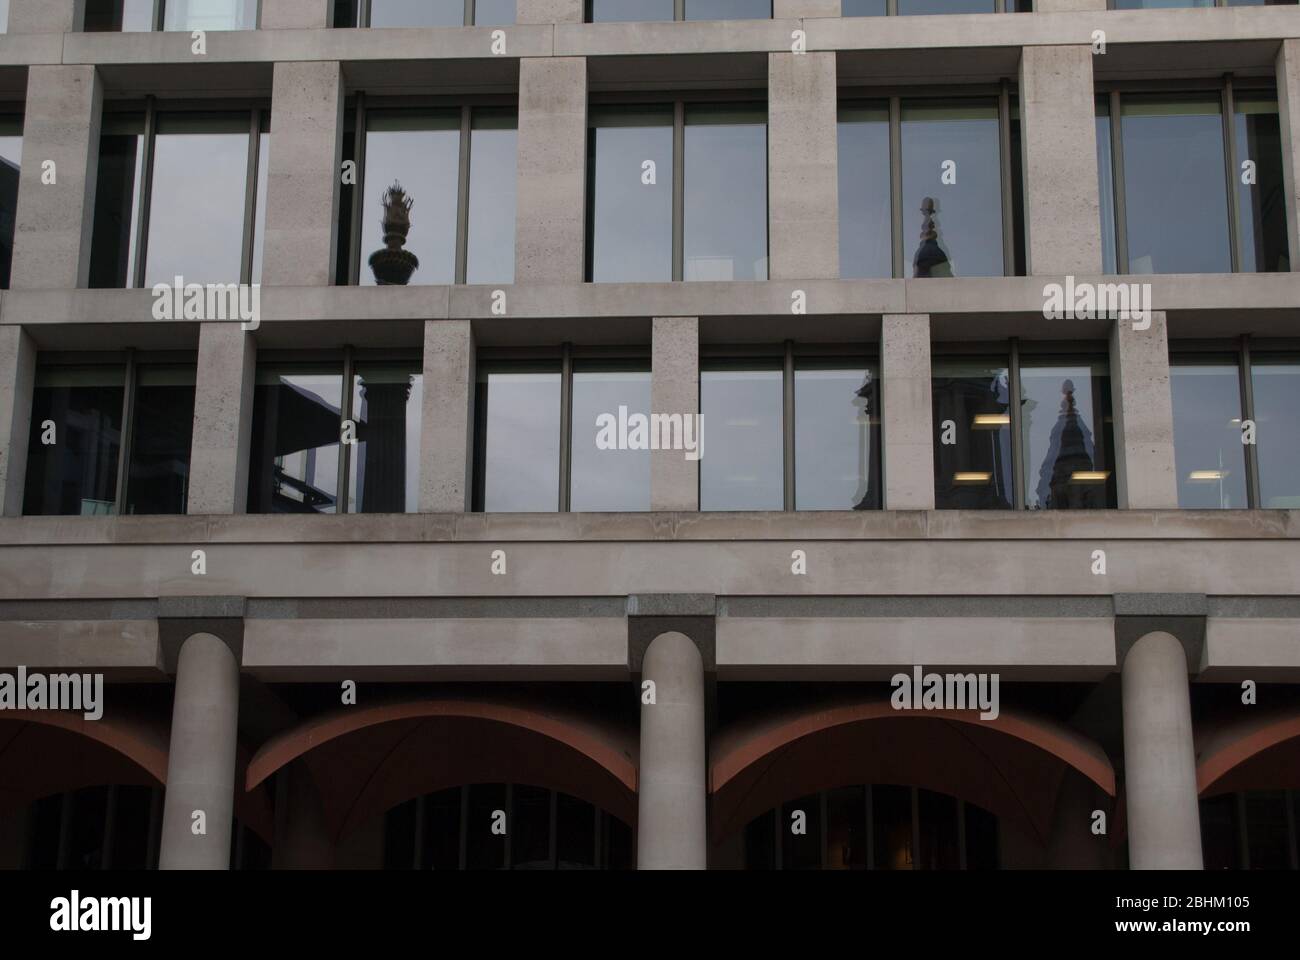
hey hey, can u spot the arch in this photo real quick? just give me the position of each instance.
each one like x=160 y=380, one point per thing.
x=1012 y=765
x=1255 y=751
x=365 y=760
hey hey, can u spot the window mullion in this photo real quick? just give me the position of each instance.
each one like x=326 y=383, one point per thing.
x=146 y=191
x=1230 y=164
x=124 y=442
x=1017 y=439
x=896 y=183
x=787 y=428
x=462 y=197
x=250 y=196
x=566 y=425
x=1117 y=180
x=1248 y=413
x=347 y=450
x=679 y=190
x=363 y=13
x=358 y=189
x=469 y=13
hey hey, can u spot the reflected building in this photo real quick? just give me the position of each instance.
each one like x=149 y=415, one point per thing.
x=1066 y=475
x=931 y=259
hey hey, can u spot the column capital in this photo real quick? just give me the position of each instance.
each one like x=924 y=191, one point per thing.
x=181 y=618
x=1181 y=615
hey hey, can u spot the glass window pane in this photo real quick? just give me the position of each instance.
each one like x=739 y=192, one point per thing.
x=743 y=463
x=1208 y=453
x=385 y=461
x=1175 y=198
x=802 y=850
x=259 y=211
x=610 y=461
x=76 y=475
x=864 y=189
x=960 y=223
x=419 y=151
x=891 y=819
x=938 y=831
x=1067 y=433
x=441 y=830
x=1276 y=383
x=128 y=16
x=210 y=15
x=602 y=11
x=726 y=193
x=1106 y=186
x=631 y=220
x=575 y=825
x=11 y=158
x=494 y=13
x=760 y=842
x=294 y=458
x=1159 y=4
x=117 y=202
x=1268 y=837
x=863 y=8
x=4 y=16
x=485 y=850
x=981 y=839
x=846 y=829
x=492 y=176
x=517 y=446
x=1260 y=3
x=972 y=427
x=417 y=13
x=158 y=474
x=908 y=8
x=728 y=9
x=198 y=234
x=837 y=438
x=530 y=829
x=1261 y=205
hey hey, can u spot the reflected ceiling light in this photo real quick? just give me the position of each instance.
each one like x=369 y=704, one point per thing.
x=991 y=421
x=971 y=476
x=1089 y=476
x=1206 y=475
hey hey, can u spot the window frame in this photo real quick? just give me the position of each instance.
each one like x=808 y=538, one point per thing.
x=361 y=12
x=679 y=14
x=159 y=18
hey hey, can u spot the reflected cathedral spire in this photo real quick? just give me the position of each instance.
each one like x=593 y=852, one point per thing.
x=392 y=265
x=930 y=259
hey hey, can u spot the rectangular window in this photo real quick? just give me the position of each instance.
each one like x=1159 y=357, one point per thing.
x=81 y=421
x=4 y=16
x=423 y=13
x=147 y=209
x=866 y=236
x=630 y=222
x=1166 y=4
x=434 y=201
x=1275 y=388
x=1209 y=455
x=836 y=436
x=315 y=447
x=610 y=469
x=742 y=405
x=11 y=159
x=907 y=8
x=517 y=439
x=972 y=452
x=145 y=15
x=1192 y=182
x=603 y=11
x=725 y=218
x=1067 y=435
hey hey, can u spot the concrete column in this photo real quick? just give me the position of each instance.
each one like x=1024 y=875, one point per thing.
x=1059 y=150
x=296 y=15
x=302 y=193
x=789 y=9
x=1164 y=823
x=675 y=389
x=673 y=790
x=548 y=11
x=17 y=379
x=302 y=840
x=53 y=223
x=223 y=419
x=447 y=424
x=550 y=228
x=803 y=163
x=1288 y=106
x=906 y=420
x=46 y=16
x=1144 y=415
x=201 y=757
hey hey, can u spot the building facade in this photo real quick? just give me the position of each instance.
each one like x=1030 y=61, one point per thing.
x=540 y=434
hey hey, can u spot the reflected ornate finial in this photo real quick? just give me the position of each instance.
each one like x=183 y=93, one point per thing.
x=392 y=265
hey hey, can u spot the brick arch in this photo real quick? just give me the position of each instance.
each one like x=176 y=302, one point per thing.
x=1012 y=765
x=1256 y=751
x=365 y=760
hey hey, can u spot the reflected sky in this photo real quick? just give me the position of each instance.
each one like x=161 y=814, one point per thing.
x=492 y=176
x=632 y=221
x=1276 y=386
x=518 y=463
x=212 y=14
x=608 y=479
x=743 y=463
x=910 y=8
x=837 y=439
x=1106 y=187
x=725 y=229
x=494 y=13
x=11 y=157
x=1261 y=205
x=728 y=9
x=630 y=10
x=1208 y=453
x=417 y=13
x=864 y=191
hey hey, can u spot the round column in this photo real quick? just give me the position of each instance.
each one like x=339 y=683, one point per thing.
x=1164 y=820
x=672 y=785
x=201 y=757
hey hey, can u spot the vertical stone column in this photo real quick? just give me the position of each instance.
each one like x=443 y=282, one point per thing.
x=788 y=9
x=302 y=193
x=551 y=224
x=1059 y=148
x=1288 y=106
x=447 y=424
x=675 y=389
x=53 y=223
x=1144 y=415
x=1164 y=825
x=672 y=792
x=46 y=16
x=223 y=419
x=296 y=14
x=201 y=757
x=549 y=11
x=17 y=379
x=803 y=164
x=906 y=420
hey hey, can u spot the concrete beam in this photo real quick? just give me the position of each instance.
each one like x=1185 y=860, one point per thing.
x=906 y=417
x=550 y=226
x=549 y=11
x=1144 y=415
x=296 y=15
x=1059 y=148
x=675 y=389
x=1262 y=649
x=111 y=645
x=53 y=224
x=46 y=16
x=302 y=195
x=803 y=165
x=223 y=419
x=447 y=417
x=1288 y=106
x=17 y=381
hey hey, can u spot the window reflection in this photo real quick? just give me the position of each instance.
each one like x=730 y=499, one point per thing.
x=294 y=458
x=601 y=11
x=1067 y=434
x=76 y=475
x=162 y=429
x=1276 y=387
x=631 y=223
x=417 y=13
x=728 y=9
x=517 y=440
x=1208 y=452
x=725 y=228
x=1261 y=206
x=129 y=16
x=11 y=158
x=743 y=465
x=972 y=409
x=491 y=243
x=384 y=463
x=494 y=13
x=864 y=191
x=837 y=437
x=210 y=14
x=117 y=201
x=1106 y=185
x=609 y=479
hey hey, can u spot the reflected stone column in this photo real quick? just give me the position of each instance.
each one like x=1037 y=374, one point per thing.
x=201 y=757
x=1164 y=822
x=672 y=789
x=382 y=428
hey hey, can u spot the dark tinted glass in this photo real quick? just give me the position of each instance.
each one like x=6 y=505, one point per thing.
x=11 y=158
x=864 y=192
x=1067 y=433
x=76 y=475
x=385 y=461
x=294 y=458
x=631 y=206
x=517 y=441
x=206 y=15
x=725 y=228
x=742 y=467
x=1261 y=206
x=1220 y=834
x=604 y=476
x=1276 y=382
x=530 y=834
x=846 y=829
x=940 y=849
x=801 y=850
x=972 y=435
x=158 y=475
x=1267 y=833
x=837 y=438
x=891 y=818
x=484 y=849
x=117 y=202
x=575 y=841
x=1208 y=452
x=1106 y=185
x=124 y=15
